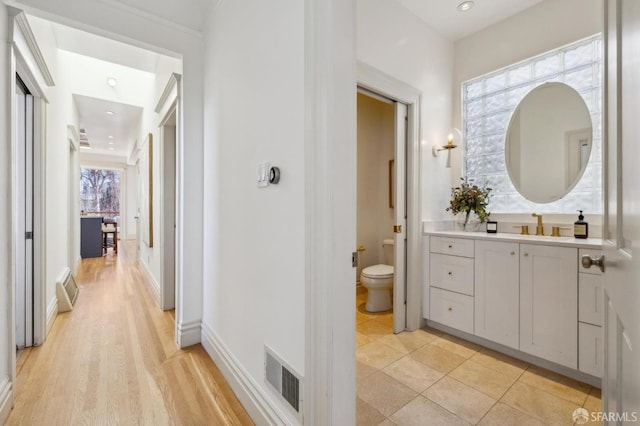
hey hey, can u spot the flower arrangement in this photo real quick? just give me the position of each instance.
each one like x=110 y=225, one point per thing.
x=467 y=198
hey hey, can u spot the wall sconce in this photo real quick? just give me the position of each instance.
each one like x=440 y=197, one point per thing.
x=452 y=142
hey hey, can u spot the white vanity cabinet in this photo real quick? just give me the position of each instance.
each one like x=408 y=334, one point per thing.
x=497 y=274
x=451 y=282
x=529 y=295
x=549 y=303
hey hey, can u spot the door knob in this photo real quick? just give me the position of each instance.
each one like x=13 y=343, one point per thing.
x=588 y=261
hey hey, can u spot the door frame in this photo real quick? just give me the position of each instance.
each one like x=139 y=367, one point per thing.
x=24 y=51
x=377 y=82
x=168 y=105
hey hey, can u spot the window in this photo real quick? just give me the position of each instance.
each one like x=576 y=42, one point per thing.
x=488 y=103
x=100 y=192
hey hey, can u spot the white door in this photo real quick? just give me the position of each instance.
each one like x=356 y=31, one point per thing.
x=400 y=220
x=24 y=225
x=621 y=384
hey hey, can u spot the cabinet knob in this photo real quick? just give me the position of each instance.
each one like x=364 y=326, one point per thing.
x=450 y=308
x=450 y=245
x=513 y=253
x=526 y=254
x=450 y=273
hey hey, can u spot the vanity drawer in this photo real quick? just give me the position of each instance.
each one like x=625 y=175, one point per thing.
x=594 y=269
x=452 y=309
x=451 y=273
x=453 y=246
x=590 y=299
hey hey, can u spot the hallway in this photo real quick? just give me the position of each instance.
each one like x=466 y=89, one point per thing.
x=113 y=360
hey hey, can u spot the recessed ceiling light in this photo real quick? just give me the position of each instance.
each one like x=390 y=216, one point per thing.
x=110 y=148
x=84 y=147
x=465 y=5
x=110 y=143
x=110 y=137
x=112 y=82
x=110 y=112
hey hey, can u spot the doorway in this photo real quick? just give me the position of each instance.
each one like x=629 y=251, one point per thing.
x=24 y=270
x=381 y=213
x=168 y=217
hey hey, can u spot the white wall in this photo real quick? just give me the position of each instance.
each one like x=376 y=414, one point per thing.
x=398 y=43
x=545 y=26
x=254 y=273
x=375 y=149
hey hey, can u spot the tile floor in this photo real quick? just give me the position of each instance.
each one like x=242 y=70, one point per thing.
x=426 y=377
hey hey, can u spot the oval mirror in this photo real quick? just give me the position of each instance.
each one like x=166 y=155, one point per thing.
x=548 y=142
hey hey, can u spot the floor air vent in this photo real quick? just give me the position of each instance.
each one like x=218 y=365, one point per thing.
x=284 y=380
x=67 y=291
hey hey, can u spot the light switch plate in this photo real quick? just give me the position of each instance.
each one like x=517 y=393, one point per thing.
x=263 y=174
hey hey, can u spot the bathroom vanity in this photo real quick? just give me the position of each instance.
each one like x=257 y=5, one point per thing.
x=526 y=296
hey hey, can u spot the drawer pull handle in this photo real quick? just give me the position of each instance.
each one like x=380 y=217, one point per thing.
x=450 y=245
x=450 y=308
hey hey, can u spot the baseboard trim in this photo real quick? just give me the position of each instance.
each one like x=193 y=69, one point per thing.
x=76 y=265
x=6 y=399
x=189 y=333
x=153 y=284
x=258 y=405
x=52 y=314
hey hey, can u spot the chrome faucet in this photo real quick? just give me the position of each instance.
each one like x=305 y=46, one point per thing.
x=539 y=227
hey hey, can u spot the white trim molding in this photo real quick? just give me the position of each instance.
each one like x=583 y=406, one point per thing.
x=188 y=333
x=380 y=83
x=52 y=313
x=259 y=406
x=157 y=19
x=153 y=284
x=6 y=399
x=330 y=207
x=170 y=93
x=20 y=19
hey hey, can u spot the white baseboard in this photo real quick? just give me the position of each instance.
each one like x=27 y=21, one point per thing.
x=259 y=406
x=6 y=399
x=189 y=333
x=153 y=284
x=52 y=314
x=76 y=266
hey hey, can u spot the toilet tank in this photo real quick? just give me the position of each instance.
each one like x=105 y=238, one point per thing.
x=387 y=247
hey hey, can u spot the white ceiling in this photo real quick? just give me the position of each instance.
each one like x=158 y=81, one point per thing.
x=443 y=15
x=123 y=125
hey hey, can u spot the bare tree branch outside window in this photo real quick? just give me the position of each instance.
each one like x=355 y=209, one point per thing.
x=100 y=192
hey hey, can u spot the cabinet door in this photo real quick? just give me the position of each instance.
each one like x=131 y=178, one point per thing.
x=549 y=303
x=497 y=292
x=591 y=353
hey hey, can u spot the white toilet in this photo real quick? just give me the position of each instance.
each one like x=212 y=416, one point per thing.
x=378 y=279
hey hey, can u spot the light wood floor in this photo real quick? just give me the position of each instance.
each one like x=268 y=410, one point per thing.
x=113 y=360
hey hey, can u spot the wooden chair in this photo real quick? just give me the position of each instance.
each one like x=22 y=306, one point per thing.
x=109 y=235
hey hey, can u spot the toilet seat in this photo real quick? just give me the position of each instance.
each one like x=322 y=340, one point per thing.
x=378 y=271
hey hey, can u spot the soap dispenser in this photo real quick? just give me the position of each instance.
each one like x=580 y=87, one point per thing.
x=580 y=227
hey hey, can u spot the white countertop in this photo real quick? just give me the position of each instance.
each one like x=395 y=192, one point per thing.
x=589 y=243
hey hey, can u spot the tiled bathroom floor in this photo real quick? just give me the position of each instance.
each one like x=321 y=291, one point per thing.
x=426 y=377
